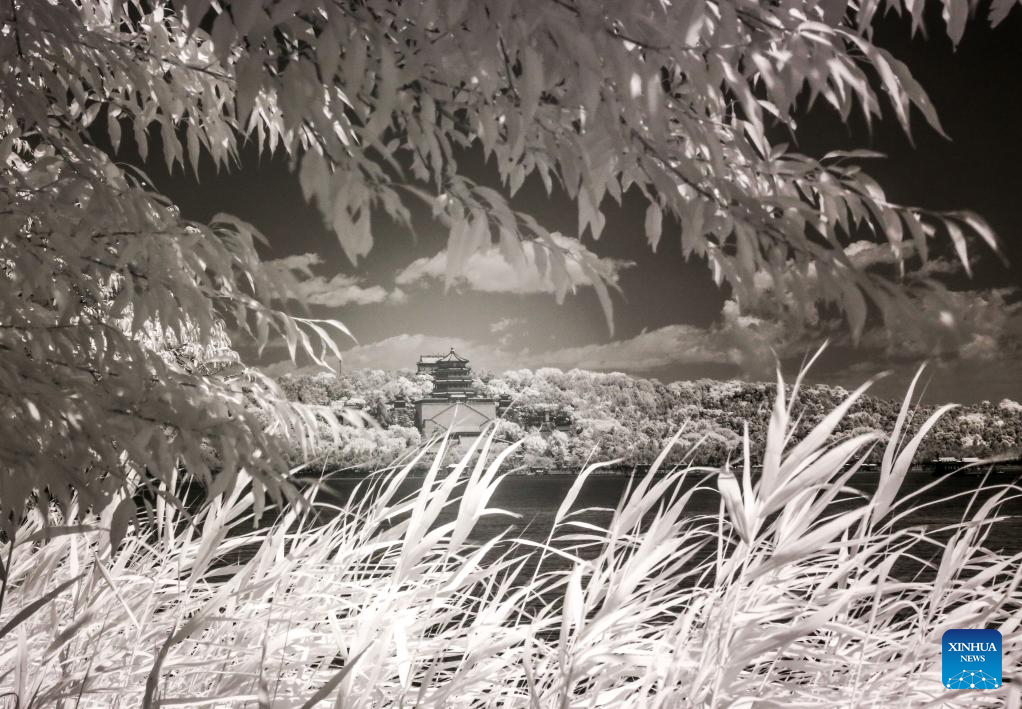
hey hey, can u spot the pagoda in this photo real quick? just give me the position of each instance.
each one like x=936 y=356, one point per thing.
x=454 y=405
x=452 y=377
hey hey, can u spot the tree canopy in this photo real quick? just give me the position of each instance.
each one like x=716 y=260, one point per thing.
x=567 y=418
x=374 y=100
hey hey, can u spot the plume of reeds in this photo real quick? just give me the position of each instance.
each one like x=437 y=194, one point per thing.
x=787 y=597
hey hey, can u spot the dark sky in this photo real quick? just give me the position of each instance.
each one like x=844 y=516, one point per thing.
x=669 y=317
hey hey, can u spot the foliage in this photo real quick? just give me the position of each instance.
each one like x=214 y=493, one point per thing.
x=117 y=315
x=618 y=416
x=674 y=100
x=114 y=309
x=373 y=101
x=790 y=596
x=373 y=389
x=355 y=447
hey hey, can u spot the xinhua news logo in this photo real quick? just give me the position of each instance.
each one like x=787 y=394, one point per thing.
x=971 y=659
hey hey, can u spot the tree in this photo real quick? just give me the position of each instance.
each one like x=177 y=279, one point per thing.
x=110 y=301
x=374 y=102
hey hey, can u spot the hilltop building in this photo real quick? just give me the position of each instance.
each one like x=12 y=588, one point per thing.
x=548 y=421
x=427 y=364
x=453 y=404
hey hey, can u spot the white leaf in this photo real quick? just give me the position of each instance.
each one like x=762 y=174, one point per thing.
x=654 y=224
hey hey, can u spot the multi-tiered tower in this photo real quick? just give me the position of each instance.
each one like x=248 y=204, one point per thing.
x=453 y=405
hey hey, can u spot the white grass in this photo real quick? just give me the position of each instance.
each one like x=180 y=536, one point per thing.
x=780 y=600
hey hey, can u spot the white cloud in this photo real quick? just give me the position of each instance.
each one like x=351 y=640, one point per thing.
x=507 y=330
x=757 y=342
x=647 y=351
x=334 y=292
x=864 y=255
x=339 y=290
x=296 y=262
x=402 y=352
x=671 y=344
x=935 y=321
x=392 y=353
x=489 y=272
x=505 y=324
x=971 y=325
x=747 y=342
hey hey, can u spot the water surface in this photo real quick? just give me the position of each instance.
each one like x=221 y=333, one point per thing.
x=535 y=499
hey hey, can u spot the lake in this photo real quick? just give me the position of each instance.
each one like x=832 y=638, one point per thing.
x=536 y=499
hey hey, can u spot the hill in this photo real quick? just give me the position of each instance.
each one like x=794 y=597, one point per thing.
x=565 y=417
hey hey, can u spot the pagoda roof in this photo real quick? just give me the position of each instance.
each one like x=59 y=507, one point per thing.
x=451 y=356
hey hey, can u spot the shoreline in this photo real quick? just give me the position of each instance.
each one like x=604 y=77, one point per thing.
x=925 y=469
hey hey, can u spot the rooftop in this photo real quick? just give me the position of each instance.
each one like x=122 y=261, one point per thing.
x=451 y=356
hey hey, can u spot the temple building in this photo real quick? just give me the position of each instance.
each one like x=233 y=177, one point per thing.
x=453 y=404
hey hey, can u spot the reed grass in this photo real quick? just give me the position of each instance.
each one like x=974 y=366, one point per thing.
x=787 y=597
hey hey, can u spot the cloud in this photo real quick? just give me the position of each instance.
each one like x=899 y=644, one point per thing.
x=296 y=262
x=334 y=292
x=505 y=324
x=645 y=352
x=972 y=340
x=798 y=295
x=989 y=366
x=489 y=272
x=749 y=342
x=757 y=342
x=397 y=352
x=506 y=330
x=345 y=290
x=402 y=352
x=973 y=325
x=930 y=321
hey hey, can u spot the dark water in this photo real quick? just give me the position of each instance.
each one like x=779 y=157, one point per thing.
x=536 y=500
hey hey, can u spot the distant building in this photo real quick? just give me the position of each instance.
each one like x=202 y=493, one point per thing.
x=402 y=412
x=547 y=421
x=427 y=363
x=504 y=402
x=454 y=404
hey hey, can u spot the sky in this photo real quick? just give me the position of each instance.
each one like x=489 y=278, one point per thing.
x=671 y=321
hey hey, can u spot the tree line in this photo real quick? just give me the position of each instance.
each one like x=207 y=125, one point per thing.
x=616 y=416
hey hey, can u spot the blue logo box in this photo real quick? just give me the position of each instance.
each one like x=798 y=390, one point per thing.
x=971 y=659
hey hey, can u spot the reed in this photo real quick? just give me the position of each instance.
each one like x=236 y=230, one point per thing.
x=787 y=597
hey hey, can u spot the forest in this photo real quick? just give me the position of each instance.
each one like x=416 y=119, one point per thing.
x=605 y=416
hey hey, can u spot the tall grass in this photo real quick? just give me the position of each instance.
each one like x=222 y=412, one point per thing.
x=787 y=597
